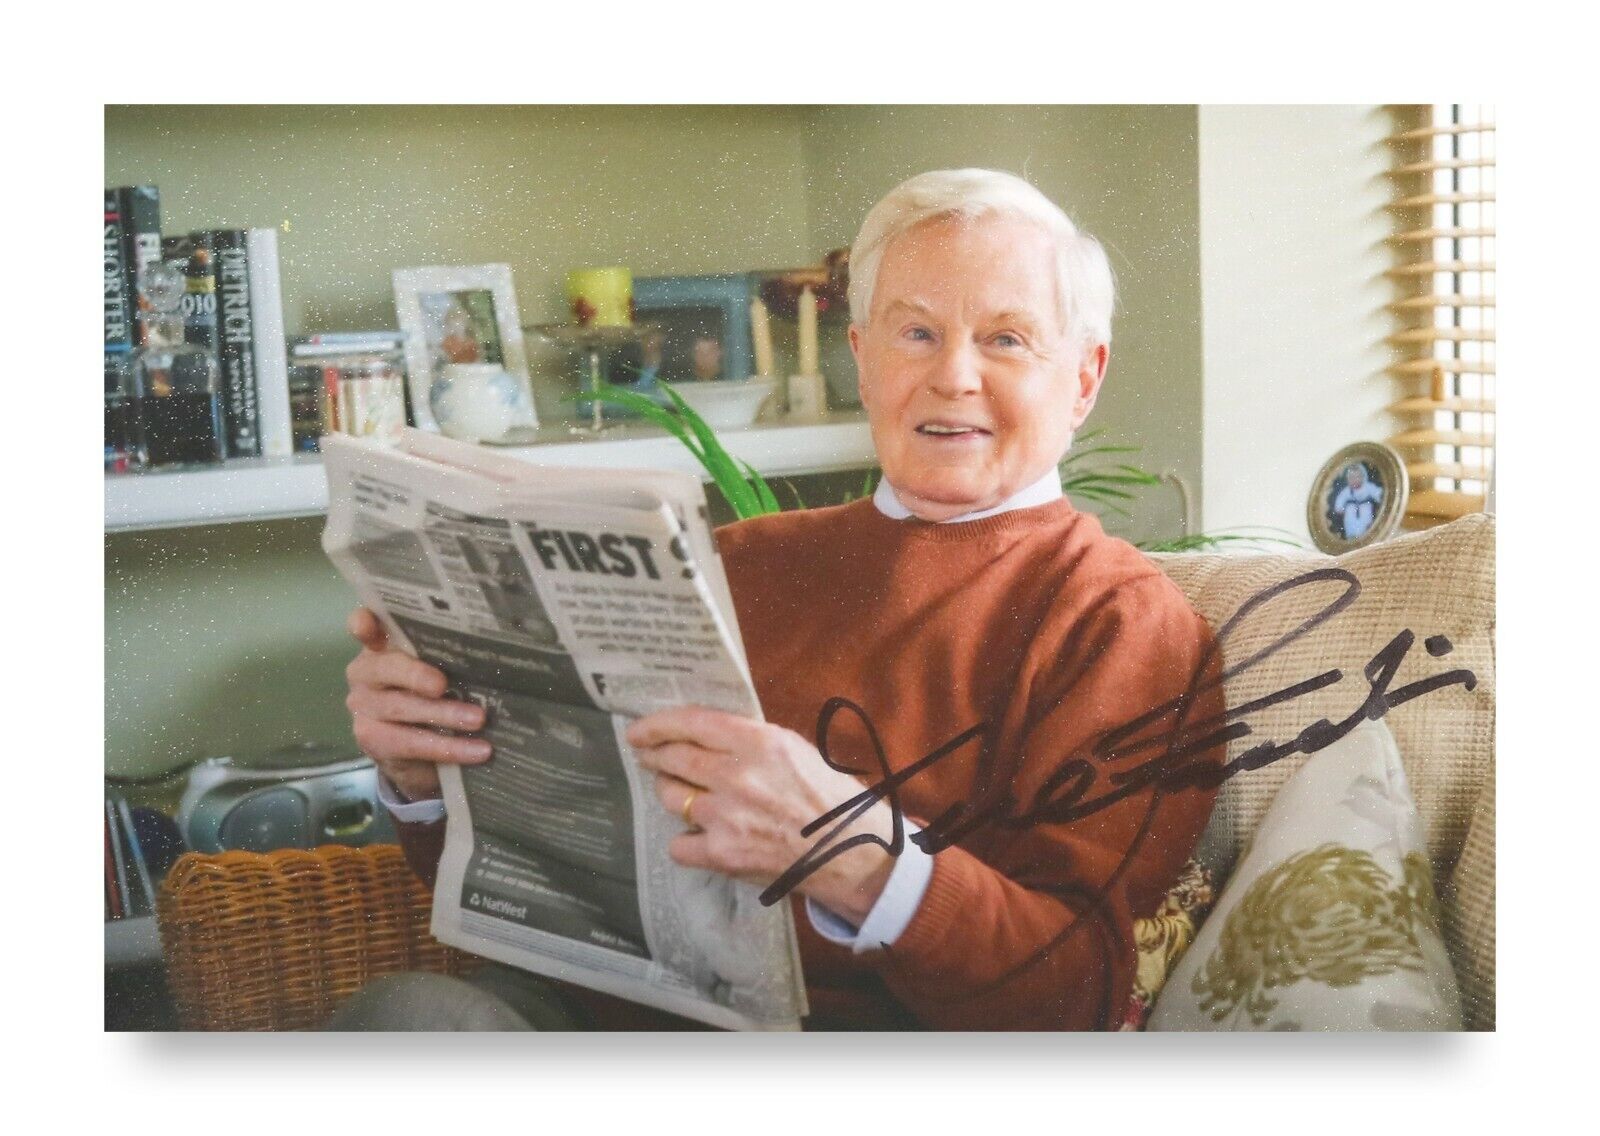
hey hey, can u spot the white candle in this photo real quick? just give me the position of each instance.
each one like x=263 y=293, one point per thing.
x=761 y=333
x=808 y=332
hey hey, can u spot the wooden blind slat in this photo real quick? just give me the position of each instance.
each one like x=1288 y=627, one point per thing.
x=1442 y=234
x=1443 y=438
x=1437 y=131
x=1443 y=335
x=1435 y=301
x=1448 y=366
x=1438 y=503
x=1455 y=471
x=1444 y=164
x=1429 y=267
x=1440 y=199
x=1452 y=403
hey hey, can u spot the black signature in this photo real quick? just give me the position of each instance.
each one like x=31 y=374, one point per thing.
x=1077 y=789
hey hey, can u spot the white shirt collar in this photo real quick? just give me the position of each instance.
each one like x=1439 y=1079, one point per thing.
x=1041 y=492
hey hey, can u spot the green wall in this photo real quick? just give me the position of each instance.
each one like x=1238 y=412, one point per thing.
x=230 y=638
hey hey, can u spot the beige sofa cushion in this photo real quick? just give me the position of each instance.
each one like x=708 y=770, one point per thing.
x=1438 y=582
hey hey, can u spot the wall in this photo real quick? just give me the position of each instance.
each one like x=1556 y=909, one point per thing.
x=1125 y=174
x=1292 y=257
x=221 y=639
x=360 y=191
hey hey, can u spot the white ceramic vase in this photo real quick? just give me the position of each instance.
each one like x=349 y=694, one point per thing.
x=475 y=402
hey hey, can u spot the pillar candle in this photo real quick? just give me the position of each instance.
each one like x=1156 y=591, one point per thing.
x=808 y=332
x=761 y=334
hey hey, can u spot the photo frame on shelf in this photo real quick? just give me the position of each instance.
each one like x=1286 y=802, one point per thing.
x=1357 y=498
x=460 y=314
x=698 y=328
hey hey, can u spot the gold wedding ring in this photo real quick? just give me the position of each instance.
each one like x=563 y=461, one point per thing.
x=688 y=803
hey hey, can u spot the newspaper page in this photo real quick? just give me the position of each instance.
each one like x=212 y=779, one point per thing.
x=567 y=602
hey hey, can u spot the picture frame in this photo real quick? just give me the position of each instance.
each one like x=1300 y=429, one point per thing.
x=699 y=328
x=1357 y=498
x=460 y=314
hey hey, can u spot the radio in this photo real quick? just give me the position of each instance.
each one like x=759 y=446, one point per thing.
x=297 y=797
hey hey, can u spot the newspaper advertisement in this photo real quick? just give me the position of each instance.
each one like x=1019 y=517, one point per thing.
x=567 y=602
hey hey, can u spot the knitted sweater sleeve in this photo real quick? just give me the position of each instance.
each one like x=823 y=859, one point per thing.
x=1036 y=932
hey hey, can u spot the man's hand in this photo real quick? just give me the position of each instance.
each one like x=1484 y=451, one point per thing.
x=393 y=701
x=750 y=788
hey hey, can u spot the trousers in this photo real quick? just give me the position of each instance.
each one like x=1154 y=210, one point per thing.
x=494 y=998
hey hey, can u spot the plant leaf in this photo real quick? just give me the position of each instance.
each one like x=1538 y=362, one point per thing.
x=746 y=501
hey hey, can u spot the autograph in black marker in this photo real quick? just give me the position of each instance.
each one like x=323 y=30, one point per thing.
x=1066 y=795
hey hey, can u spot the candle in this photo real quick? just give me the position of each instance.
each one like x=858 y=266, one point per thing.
x=601 y=297
x=808 y=332
x=761 y=333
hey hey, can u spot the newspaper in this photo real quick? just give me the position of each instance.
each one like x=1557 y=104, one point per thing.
x=567 y=602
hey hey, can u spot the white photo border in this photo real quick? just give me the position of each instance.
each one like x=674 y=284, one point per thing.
x=410 y=284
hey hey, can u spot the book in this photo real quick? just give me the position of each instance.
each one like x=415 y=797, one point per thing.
x=271 y=352
x=131 y=241
x=119 y=299
x=236 y=352
x=119 y=311
x=114 y=909
x=113 y=829
x=139 y=210
x=192 y=252
x=141 y=866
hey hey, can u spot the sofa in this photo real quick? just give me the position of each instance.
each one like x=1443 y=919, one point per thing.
x=275 y=940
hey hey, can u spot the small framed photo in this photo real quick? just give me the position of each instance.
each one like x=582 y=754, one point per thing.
x=1358 y=498
x=460 y=314
x=696 y=327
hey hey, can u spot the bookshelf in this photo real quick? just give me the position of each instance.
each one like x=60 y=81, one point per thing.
x=262 y=489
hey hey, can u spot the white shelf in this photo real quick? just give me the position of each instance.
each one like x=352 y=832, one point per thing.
x=263 y=489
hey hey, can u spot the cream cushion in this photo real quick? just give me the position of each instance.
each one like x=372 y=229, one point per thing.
x=1433 y=583
x=1329 y=921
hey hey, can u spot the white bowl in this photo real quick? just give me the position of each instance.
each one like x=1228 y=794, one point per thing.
x=726 y=404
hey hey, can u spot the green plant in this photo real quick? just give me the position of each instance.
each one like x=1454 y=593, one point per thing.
x=746 y=491
x=1105 y=485
x=1084 y=477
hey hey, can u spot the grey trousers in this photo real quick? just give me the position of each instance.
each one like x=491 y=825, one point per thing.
x=493 y=998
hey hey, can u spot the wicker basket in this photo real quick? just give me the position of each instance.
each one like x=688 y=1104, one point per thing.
x=275 y=940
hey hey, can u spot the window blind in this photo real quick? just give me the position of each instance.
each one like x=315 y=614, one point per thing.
x=1443 y=206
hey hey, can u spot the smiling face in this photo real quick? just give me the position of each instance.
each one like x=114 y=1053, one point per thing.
x=971 y=384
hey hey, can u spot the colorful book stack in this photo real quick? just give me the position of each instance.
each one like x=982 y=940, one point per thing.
x=130 y=884
x=232 y=307
x=314 y=384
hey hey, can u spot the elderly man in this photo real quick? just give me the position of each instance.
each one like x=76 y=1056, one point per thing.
x=1046 y=681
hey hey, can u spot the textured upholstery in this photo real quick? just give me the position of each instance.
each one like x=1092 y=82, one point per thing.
x=1438 y=582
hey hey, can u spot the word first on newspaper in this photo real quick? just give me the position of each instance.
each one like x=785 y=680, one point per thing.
x=567 y=602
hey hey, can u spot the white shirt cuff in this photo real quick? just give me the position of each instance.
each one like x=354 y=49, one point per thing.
x=408 y=812
x=891 y=914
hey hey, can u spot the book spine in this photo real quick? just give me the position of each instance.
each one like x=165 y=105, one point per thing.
x=123 y=901
x=113 y=898
x=271 y=350
x=140 y=209
x=119 y=314
x=236 y=353
x=193 y=255
x=145 y=882
x=118 y=280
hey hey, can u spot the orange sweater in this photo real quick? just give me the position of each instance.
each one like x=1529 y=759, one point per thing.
x=1049 y=634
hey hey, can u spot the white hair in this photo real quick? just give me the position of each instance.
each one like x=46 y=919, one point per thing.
x=1083 y=275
